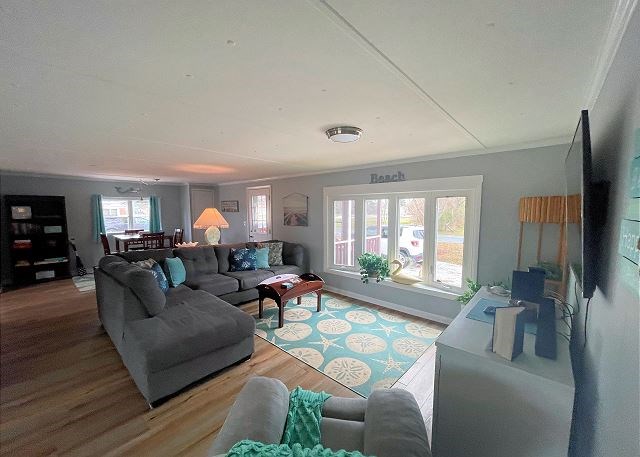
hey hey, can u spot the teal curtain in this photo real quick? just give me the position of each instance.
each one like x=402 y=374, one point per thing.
x=98 y=218
x=155 y=221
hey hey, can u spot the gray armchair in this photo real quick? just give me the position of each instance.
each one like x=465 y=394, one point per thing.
x=387 y=424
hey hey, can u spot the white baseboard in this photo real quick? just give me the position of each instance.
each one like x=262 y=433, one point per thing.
x=393 y=306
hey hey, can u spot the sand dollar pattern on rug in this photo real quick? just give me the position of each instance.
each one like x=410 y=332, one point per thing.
x=297 y=314
x=411 y=347
x=361 y=347
x=334 y=326
x=360 y=317
x=309 y=356
x=365 y=343
x=293 y=331
x=348 y=371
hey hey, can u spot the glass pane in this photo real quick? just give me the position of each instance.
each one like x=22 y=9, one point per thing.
x=259 y=214
x=116 y=215
x=411 y=235
x=344 y=232
x=377 y=226
x=141 y=213
x=450 y=213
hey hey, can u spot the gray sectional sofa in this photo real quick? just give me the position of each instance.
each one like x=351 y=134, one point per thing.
x=169 y=341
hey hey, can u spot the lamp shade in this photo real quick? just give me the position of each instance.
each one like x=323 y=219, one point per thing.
x=210 y=217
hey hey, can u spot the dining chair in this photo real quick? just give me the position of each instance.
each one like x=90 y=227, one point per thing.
x=153 y=240
x=133 y=231
x=105 y=244
x=178 y=236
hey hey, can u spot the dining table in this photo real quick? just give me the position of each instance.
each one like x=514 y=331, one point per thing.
x=136 y=238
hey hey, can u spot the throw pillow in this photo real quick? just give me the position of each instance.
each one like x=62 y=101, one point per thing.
x=275 y=253
x=176 y=273
x=242 y=259
x=262 y=255
x=148 y=264
x=161 y=279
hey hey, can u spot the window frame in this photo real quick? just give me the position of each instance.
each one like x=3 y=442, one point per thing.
x=130 y=217
x=429 y=189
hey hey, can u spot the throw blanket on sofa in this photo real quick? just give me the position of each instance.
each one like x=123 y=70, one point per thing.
x=248 y=448
x=303 y=418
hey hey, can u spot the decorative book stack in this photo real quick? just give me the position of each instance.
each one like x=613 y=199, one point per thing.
x=508 y=331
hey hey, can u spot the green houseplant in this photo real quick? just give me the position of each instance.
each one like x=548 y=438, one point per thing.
x=472 y=288
x=373 y=266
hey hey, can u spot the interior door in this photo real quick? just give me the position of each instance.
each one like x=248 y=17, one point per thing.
x=200 y=199
x=259 y=209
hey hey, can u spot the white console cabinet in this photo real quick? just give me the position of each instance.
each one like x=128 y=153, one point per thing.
x=485 y=405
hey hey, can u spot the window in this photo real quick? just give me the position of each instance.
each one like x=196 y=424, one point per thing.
x=431 y=226
x=122 y=214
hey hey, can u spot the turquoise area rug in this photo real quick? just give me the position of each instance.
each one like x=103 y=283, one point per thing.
x=361 y=347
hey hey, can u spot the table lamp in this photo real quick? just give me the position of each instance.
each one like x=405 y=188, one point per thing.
x=212 y=220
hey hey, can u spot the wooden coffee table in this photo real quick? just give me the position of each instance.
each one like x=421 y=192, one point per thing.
x=308 y=282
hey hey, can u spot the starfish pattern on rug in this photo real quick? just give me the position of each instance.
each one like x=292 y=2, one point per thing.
x=273 y=341
x=267 y=320
x=387 y=329
x=326 y=312
x=326 y=343
x=391 y=364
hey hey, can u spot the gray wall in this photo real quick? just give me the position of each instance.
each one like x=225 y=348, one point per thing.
x=77 y=193
x=507 y=177
x=608 y=399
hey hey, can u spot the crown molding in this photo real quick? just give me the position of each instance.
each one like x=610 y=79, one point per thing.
x=562 y=140
x=89 y=178
x=611 y=42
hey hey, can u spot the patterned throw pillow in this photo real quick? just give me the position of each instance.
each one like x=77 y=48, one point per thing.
x=148 y=264
x=243 y=259
x=275 y=252
x=160 y=277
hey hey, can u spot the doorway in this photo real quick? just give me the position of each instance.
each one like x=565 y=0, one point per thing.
x=259 y=213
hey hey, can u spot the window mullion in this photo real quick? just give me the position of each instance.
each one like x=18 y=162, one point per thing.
x=130 y=206
x=392 y=227
x=359 y=231
x=429 y=245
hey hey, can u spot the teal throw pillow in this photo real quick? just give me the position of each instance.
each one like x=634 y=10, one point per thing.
x=160 y=277
x=262 y=255
x=242 y=259
x=176 y=273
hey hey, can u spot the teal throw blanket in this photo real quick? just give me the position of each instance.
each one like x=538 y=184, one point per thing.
x=248 y=448
x=303 y=418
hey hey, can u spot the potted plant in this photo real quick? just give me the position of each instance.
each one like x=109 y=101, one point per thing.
x=373 y=266
x=472 y=288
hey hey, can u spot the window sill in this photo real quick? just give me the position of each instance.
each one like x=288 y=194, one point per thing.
x=416 y=288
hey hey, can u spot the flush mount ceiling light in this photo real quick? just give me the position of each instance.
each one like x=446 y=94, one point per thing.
x=344 y=134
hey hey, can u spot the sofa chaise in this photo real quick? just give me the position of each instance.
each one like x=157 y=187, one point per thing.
x=170 y=340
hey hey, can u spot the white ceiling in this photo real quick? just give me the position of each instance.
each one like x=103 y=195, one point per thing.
x=217 y=91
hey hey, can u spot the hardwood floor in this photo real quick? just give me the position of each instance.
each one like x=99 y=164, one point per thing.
x=64 y=390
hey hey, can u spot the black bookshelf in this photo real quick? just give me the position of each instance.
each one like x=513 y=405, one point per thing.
x=37 y=237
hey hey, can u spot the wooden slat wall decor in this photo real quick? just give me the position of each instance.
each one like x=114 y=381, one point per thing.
x=550 y=209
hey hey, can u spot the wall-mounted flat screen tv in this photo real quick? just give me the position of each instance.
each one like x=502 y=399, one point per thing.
x=581 y=248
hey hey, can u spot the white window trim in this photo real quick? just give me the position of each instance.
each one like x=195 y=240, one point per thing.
x=130 y=217
x=469 y=186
